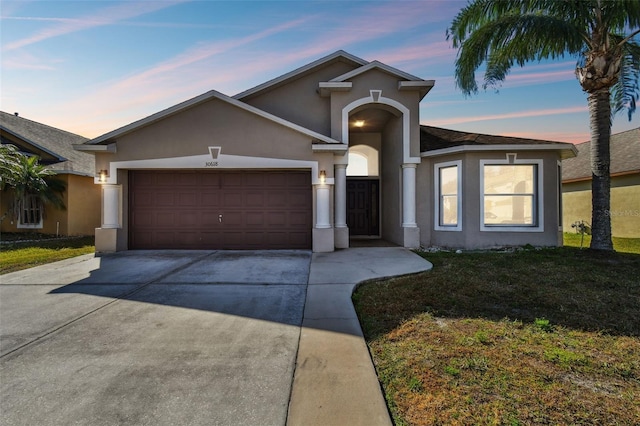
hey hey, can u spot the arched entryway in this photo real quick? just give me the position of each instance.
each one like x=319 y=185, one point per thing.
x=381 y=125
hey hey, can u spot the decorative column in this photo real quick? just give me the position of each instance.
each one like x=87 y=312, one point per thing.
x=107 y=234
x=409 y=195
x=411 y=237
x=323 y=238
x=323 y=209
x=111 y=212
x=340 y=201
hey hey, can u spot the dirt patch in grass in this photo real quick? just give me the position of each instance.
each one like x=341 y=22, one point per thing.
x=22 y=251
x=532 y=337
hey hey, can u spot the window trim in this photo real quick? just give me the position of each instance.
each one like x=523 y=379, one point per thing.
x=21 y=225
x=538 y=196
x=436 y=192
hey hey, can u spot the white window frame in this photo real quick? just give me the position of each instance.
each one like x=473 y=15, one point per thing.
x=538 y=196
x=437 y=198
x=21 y=225
x=560 y=206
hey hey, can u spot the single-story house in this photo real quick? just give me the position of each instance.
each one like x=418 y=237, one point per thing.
x=54 y=147
x=625 y=185
x=330 y=151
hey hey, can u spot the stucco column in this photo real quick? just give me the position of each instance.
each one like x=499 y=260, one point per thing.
x=323 y=238
x=323 y=207
x=340 y=171
x=111 y=206
x=409 y=196
x=340 y=201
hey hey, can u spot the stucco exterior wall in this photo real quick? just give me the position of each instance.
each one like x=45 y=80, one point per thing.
x=625 y=205
x=212 y=123
x=299 y=102
x=391 y=182
x=471 y=236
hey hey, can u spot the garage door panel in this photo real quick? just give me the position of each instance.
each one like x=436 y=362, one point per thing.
x=277 y=199
x=164 y=199
x=188 y=199
x=180 y=209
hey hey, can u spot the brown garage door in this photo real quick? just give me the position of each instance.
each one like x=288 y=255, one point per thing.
x=219 y=209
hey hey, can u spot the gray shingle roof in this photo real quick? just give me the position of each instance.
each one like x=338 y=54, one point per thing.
x=625 y=156
x=57 y=142
x=434 y=138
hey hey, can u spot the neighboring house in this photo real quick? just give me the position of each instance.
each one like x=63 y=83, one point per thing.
x=625 y=185
x=54 y=147
x=267 y=168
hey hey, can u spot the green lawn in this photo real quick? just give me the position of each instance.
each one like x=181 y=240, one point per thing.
x=16 y=255
x=532 y=337
x=622 y=245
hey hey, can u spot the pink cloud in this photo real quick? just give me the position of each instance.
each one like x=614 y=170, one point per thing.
x=508 y=116
x=571 y=137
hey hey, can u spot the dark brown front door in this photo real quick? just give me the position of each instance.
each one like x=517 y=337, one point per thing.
x=362 y=206
x=219 y=209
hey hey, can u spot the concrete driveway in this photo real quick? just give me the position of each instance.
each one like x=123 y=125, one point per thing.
x=152 y=338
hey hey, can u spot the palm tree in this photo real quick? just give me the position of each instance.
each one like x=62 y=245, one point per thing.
x=9 y=165
x=33 y=188
x=600 y=33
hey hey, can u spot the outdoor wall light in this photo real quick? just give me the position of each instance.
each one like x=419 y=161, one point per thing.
x=104 y=174
x=323 y=176
x=359 y=123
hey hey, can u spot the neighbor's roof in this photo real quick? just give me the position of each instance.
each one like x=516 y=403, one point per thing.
x=438 y=140
x=625 y=157
x=55 y=142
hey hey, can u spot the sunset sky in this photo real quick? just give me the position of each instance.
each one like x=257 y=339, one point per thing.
x=90 y=67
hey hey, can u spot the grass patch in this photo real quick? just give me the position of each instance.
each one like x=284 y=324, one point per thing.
x=621 y=245
x=529 y=337
x=16 y=255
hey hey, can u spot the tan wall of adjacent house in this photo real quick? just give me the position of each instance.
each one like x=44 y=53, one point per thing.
x=471 y=236
x=83 y=205
x=625 y=205
x=81 y=217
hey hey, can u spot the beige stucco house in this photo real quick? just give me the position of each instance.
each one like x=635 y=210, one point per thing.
x=329 y=152
x=625 y=185
x=54 y=147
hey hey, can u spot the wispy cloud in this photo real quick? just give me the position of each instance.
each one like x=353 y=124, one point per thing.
x=105 y=16
x=571 y=137
x=508 y=116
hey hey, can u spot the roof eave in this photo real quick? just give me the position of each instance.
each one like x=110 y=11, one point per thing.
x=567 y=150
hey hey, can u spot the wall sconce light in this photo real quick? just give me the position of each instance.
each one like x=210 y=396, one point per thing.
x=323 y=176
x=104 y=174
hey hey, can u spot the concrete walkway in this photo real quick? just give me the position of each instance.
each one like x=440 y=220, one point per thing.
x=335 y=382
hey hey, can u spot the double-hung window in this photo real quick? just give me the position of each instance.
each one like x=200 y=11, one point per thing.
x=511 y=194
x=448 y=196
x=30 y=212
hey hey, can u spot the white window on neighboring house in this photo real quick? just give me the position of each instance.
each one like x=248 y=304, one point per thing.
x=30 y=213
x=448 y=196
x=511 y=195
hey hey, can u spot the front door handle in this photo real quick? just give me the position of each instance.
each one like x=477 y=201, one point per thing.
x=220 y=218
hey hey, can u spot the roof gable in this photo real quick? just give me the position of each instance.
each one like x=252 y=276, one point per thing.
x=339 y=55
x=56 y=144
x=212 y=94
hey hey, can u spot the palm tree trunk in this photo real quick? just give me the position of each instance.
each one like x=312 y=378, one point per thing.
x=600 y=121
